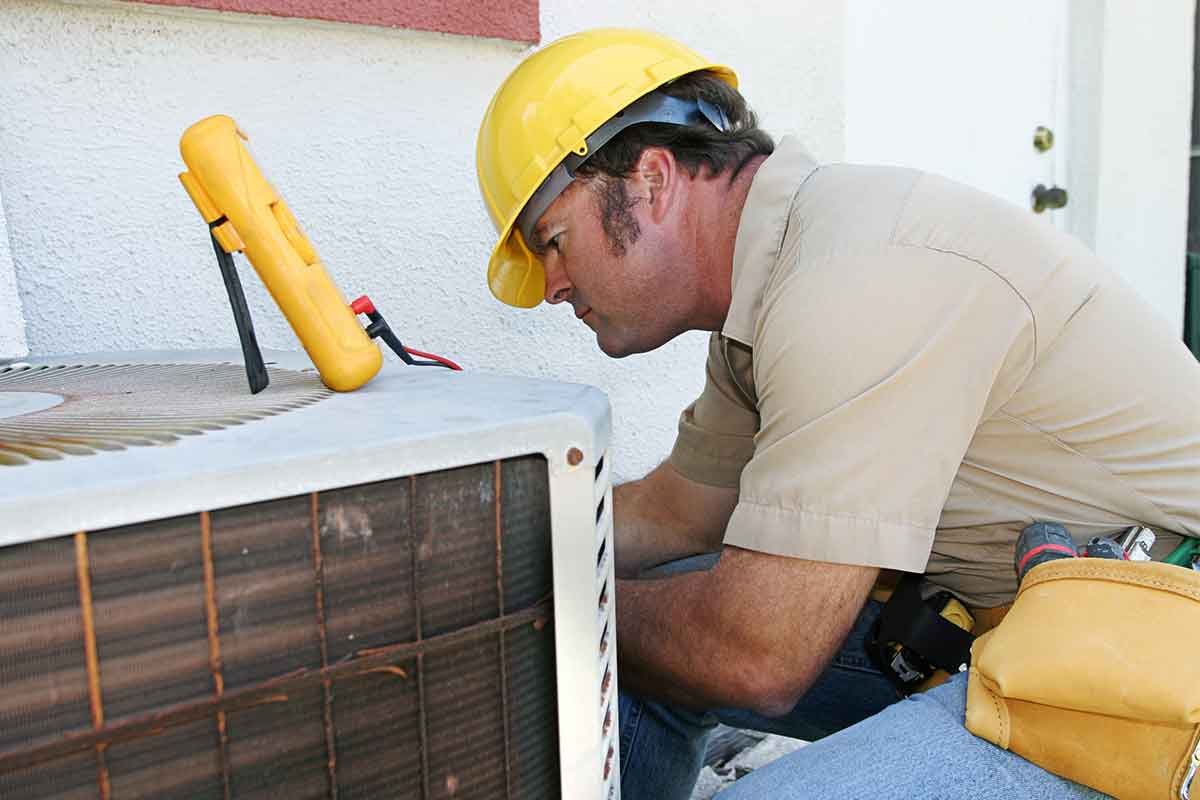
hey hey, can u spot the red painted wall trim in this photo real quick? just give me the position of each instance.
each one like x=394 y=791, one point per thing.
x=501 y=19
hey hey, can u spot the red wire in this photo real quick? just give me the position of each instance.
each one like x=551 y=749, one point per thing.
x=432 y=357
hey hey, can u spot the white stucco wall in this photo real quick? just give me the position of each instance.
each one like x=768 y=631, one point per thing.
x=12 y=321
x=369 y=134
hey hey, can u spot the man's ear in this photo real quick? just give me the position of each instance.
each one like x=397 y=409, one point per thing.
x=656 y=177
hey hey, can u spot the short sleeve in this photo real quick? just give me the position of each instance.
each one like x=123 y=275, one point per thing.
x=716 y=432
x=872 y=374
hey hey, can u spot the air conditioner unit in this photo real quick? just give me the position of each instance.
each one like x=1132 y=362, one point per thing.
x=403 y=592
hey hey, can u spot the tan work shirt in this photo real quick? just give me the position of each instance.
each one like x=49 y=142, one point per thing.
x=912 y=371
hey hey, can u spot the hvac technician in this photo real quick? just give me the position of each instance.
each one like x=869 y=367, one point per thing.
x=903 y=373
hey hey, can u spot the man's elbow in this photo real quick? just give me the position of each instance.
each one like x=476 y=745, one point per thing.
x=768 y=685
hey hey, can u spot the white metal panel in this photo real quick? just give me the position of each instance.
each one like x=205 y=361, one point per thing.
x=580 y=621
x=407 y=420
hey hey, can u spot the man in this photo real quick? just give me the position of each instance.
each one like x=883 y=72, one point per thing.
x=903 y=373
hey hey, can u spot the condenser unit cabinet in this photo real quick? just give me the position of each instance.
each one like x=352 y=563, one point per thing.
x=401 y=592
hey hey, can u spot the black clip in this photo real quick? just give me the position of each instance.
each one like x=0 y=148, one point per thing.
x=911 y=638
x=256 y=370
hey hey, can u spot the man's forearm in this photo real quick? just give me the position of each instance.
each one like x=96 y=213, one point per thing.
x=680 y=641
x=645 y=536
x=754 y=632
x=652 y=616
x=664 y=517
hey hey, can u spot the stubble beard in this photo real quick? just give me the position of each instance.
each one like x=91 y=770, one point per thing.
x=622 y=230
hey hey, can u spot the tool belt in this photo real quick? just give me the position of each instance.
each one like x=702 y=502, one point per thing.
x=1094 y=675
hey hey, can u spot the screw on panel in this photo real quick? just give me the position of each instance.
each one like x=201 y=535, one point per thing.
x=574 y=456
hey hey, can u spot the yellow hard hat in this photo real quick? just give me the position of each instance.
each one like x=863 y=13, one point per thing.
x=551 y=114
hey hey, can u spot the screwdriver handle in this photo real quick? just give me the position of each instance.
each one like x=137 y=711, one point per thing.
x=1039 y=543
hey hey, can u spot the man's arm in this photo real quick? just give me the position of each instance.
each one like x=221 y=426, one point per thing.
x=754 y=632
x=664 y=516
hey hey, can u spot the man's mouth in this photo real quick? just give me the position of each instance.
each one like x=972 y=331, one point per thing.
x=580 y=313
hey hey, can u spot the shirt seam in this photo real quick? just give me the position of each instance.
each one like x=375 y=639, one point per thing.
x=787 y=223
x=1095 y=290
x=1007 y=282
x=833 y=514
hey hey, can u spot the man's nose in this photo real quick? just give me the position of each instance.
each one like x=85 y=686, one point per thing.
x=558 y=286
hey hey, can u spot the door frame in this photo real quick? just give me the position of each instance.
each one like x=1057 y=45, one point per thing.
x=1130 y=73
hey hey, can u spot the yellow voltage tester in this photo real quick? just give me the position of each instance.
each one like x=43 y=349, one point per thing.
x=244 y=213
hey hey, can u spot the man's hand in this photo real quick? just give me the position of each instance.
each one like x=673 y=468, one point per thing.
x=664 y=517
x=754 y=632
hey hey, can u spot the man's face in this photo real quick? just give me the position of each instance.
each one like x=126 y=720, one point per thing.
x=605 y=254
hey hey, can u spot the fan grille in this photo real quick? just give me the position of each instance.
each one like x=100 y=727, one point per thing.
x=114 y=406
x=391 y=639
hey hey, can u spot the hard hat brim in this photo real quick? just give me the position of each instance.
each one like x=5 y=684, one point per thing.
x=515 y=275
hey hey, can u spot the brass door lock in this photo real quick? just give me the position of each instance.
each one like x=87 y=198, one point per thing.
x=1043 y=138
x=1052 y=197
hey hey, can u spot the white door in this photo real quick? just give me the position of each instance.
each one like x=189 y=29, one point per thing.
x=959 y=87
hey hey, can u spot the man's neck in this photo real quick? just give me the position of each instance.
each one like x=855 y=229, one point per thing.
x=720 y=214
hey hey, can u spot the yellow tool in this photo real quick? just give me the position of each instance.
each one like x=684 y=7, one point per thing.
x=246 y=214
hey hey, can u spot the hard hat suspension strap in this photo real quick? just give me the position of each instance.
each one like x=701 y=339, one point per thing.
x=653 y=107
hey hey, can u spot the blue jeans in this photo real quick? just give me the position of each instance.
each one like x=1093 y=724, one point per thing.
x=917 y=748
x=871 y=744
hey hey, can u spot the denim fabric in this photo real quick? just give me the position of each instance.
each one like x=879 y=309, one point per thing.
x=917 y=748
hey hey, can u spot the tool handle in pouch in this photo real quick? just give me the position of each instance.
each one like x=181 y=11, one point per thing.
x=245 y=213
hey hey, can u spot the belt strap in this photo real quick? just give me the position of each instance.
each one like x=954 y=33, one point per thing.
x=908 y=619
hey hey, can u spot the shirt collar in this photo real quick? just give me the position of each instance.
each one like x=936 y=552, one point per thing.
x=760 y=233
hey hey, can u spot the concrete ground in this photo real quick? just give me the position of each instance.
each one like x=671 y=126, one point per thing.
x=734 y=753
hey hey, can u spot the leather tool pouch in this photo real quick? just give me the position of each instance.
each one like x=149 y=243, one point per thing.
x=1094 y=675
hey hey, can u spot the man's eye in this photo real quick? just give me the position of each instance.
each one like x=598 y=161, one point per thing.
x=554 y=242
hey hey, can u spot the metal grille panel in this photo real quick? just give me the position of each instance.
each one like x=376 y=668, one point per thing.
x=374 y=715
x=114 y=406
x=471 y=711
x=367 y=551
x=386 y=640
x=173 y=765
x=148 y=597
x=43 y=669
x=70 y=778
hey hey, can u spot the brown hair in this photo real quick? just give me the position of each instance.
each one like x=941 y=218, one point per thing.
x=693 y=146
